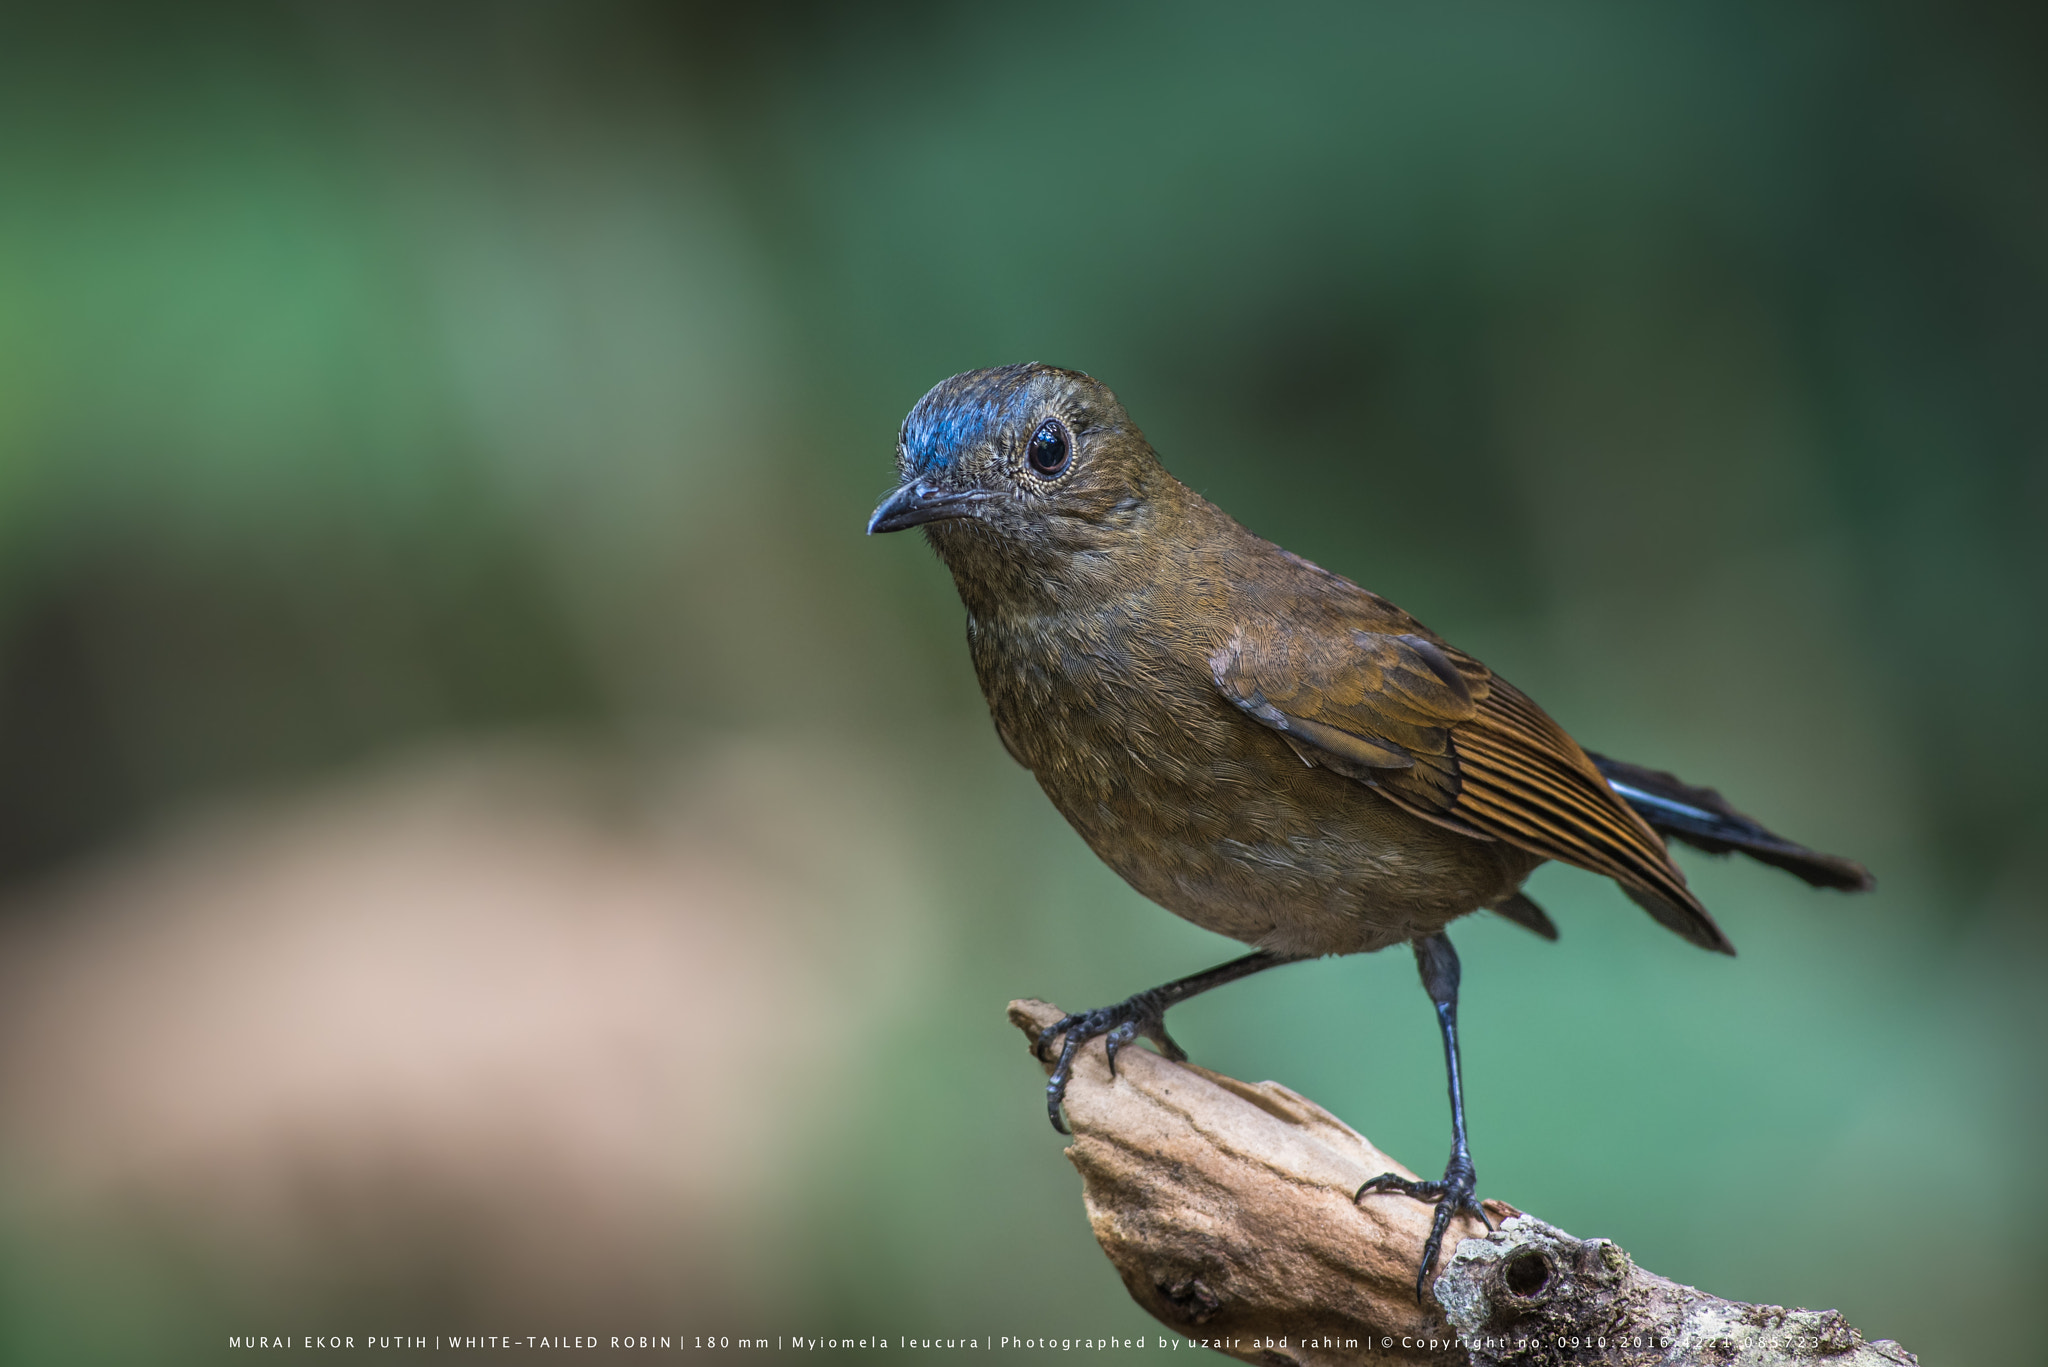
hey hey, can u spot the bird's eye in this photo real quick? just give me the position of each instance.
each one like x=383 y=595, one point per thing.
x=1050 y=448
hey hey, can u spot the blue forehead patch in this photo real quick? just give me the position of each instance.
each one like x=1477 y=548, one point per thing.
x=967 y=411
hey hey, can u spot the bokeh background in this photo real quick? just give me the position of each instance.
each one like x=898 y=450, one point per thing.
x=488 y=846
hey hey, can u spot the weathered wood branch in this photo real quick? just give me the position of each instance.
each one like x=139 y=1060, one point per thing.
x=1227 y=1208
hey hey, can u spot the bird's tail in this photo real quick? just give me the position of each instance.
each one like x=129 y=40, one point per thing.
x=1703 y=819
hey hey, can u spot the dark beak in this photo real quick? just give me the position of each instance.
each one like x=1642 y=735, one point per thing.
x=917 y=503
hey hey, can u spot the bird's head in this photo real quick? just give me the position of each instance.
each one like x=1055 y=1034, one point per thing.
x=1020 y=465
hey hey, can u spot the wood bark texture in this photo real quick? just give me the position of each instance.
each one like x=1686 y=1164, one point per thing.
x=1227 y=1208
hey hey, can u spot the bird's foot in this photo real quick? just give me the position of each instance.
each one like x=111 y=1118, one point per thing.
x=1455 y=1192
x=1143 y=1014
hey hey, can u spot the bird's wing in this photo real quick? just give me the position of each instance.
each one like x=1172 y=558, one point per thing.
x=1373 y=705
x=1372 y=696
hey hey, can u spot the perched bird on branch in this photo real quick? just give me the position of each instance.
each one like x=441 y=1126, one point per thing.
x=1255 y=743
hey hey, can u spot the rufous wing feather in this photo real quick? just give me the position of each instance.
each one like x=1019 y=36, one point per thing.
x=1378 y=699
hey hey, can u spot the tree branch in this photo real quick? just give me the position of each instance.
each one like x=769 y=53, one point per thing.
x=1226 y=1207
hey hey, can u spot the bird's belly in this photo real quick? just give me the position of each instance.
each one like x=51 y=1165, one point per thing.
x=1340 y=880
x=1215 y=819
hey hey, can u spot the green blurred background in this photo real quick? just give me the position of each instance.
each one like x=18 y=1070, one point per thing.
x=490 y=847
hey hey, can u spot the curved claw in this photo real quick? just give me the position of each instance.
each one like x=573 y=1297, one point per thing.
x=1117 y=1039
x=1116 y=1026
x=1453 y=1194
x=1056 y=1085
x=1433 y=1246
x=1053 y=1032
x=1052 y=1109
x=1394 y=1181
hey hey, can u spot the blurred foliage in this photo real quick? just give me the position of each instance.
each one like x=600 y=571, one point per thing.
x=375 y=374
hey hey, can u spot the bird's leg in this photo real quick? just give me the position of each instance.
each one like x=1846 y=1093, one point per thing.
x=1144 y=1013
x=1456 y=1191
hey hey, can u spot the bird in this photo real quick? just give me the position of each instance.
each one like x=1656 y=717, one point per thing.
x=1260 y=745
